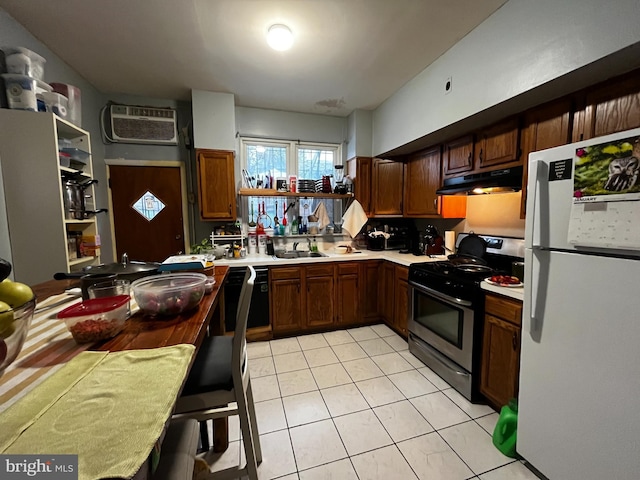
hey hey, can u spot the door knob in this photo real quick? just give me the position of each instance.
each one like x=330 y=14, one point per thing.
x=178 y=237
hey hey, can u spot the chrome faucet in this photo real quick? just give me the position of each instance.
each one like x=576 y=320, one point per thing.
x=295 y=245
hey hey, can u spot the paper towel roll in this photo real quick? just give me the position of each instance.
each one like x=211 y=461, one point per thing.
x=449 y=242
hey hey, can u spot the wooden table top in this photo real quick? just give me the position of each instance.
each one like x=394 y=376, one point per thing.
x=142 y=331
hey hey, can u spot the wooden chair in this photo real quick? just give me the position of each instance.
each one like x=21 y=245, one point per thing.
x=218 y=379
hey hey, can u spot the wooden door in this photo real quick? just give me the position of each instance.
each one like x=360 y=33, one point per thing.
x=387 y=190
x=347 y=293
x=545 y=127
x=285 y=301
x=421 y=182
x=401 y=307
x=216 y=185
x=500 y=360
x=147 y=211
x=457 y=155
x=497 y=145
x=368 y=291
x=386 y=292
x=612 y=106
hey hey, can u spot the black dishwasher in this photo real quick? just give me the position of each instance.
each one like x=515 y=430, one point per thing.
x=259 y=310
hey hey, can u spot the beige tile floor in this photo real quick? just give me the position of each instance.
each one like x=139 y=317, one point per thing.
x=355 y=404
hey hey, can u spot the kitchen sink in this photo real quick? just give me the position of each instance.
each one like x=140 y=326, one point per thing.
x=298 y=254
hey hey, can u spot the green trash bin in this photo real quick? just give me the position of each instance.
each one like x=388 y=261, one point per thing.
x=504 y=435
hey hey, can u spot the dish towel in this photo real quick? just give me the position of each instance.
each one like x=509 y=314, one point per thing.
x=354 y=219
x=323 y=217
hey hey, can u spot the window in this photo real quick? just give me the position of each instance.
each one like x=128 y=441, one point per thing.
x=269 y=160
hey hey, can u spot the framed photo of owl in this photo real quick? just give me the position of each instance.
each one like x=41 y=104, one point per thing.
x=608 y=171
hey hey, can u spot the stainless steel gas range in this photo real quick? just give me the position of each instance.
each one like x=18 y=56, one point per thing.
x=447 y=312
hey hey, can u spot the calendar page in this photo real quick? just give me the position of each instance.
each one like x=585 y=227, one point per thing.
x=606 y=195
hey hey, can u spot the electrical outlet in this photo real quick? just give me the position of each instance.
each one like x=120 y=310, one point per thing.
x=448 y=86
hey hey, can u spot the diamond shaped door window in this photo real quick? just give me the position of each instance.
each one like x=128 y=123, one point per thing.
x=148 y=205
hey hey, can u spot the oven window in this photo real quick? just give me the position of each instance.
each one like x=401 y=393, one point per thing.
x=442 y=319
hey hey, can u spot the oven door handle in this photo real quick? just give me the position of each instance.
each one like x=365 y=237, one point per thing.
x=441 y=296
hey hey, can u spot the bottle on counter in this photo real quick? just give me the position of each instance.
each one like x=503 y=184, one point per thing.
x=294 y=226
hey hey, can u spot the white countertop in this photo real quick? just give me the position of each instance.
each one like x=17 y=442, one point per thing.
x=517 y=293
x=406 y=259
x=394 y=256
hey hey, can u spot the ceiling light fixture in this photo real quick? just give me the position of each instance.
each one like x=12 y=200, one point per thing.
x=279 y=37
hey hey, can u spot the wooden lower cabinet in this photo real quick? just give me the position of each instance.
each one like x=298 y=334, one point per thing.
x=393 y=296
x=501 y=350
x=347 y=298
x=320 y=295
x=285 y=300
x=369 y=271
x=401 y=305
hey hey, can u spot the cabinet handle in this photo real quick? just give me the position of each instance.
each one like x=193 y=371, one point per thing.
x=229 y=209
x=435 y=203
x=514 y=341
x=469 y=159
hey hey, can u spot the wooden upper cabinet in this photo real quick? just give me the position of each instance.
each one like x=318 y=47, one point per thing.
x=362 y=183
x=546 y=126
x=421 y=182
x=497 y=145
x=216 y=190
x=457 y=155
x=610 y=107
x=387 y=187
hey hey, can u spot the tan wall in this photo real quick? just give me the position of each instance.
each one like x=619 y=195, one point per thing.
x=496 y=214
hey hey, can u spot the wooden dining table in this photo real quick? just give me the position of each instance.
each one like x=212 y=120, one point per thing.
x=145 y=332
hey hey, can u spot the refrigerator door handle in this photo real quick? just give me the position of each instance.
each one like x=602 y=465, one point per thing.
x=536 y=261
x=539 y=205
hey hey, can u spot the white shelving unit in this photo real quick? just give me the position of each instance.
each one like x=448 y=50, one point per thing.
x=33 y=194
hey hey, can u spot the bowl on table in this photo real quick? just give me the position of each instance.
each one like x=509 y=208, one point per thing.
x=169 y=294
x=14 y=326
x=96 y=319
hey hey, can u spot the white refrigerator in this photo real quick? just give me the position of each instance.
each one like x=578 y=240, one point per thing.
x=579 y=397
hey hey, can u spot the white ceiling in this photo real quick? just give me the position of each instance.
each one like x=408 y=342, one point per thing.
x=348 y=54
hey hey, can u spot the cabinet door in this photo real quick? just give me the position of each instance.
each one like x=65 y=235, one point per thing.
x=368 y=292
x=457 y=155
x=613 y=106
x=421 y=182
x=546 y=126
x=497 y=145
x=285 y=300
x=387 y=187
x=401 y=307
x=320 y=296
x=500 y=361
x=216 y=191
x=347 y=293
x=386 y=292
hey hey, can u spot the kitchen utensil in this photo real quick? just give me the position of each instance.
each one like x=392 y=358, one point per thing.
x=275 y=217
x=109 y=289
x=472 y=249
x=125 y=270
x=252 y=223
x=74 y=199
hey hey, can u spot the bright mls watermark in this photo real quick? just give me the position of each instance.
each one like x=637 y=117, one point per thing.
x=50 y=467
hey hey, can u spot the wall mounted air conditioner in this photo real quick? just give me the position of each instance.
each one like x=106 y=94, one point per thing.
x=133 y=124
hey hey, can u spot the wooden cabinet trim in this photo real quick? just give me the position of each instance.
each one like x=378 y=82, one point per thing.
x=505 y=308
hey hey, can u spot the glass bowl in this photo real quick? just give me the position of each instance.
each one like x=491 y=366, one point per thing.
x=14 y=326
x=169 y=294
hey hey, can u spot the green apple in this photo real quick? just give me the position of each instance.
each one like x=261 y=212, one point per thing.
x=6 y=320
x=15 y=294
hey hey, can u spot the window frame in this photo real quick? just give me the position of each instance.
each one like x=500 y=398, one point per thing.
x=292 y=147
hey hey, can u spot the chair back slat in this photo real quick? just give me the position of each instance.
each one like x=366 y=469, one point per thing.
x=242 y=317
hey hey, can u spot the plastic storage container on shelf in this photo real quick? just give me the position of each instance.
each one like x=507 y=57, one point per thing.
x=74 y=110
x=23 y=61
x=22 y=91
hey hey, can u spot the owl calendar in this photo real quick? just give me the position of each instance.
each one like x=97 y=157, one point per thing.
x=606 y=195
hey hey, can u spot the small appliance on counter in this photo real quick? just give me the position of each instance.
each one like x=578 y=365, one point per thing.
x=432 y=242
x=391 y=235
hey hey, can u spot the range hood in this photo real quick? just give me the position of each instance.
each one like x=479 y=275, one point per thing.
x=495 y=181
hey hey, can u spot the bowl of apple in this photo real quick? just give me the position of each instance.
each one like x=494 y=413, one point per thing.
x=169 y=294
x=17 y=304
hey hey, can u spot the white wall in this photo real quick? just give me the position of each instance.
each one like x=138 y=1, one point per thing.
x=360 y=139
x=214 y=123
x=523 y=45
